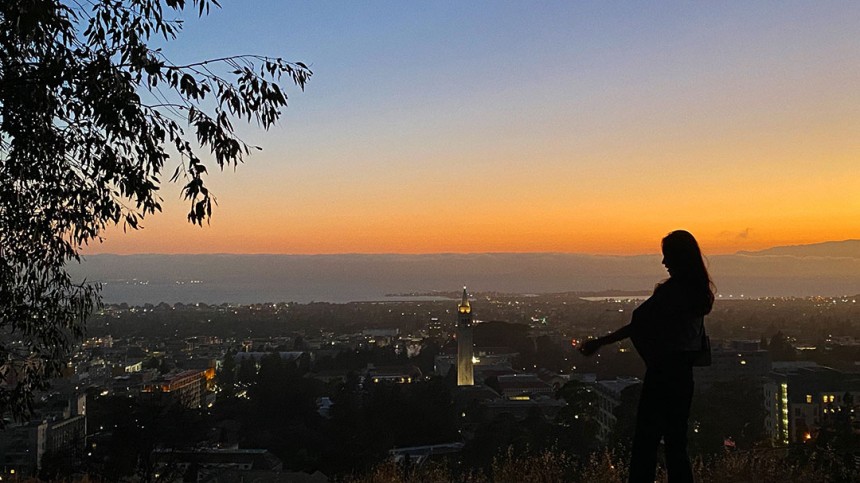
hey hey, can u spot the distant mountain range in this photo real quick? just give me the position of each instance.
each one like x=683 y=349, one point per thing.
x=846 y=248
x=830 y=268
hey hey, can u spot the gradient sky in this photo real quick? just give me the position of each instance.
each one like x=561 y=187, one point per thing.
x=592 y=127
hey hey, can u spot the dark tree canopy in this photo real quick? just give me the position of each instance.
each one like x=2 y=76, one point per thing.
x=91 y=118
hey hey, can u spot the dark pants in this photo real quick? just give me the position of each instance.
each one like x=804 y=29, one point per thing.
x=664 y=408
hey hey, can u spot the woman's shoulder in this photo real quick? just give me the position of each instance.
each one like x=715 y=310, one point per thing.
x=668 y=287
x=688 y=296
x=676 y=286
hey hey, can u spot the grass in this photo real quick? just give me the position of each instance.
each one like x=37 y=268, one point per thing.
x=756 y=466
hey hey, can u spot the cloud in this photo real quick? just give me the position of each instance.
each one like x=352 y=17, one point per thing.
x=742 y=235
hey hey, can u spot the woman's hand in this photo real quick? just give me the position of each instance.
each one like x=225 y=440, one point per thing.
x=589 y=347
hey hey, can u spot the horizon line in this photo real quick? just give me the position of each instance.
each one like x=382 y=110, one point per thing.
x=379 y=253
x=707 y=254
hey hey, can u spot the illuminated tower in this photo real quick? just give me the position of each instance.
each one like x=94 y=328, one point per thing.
x=465 y=371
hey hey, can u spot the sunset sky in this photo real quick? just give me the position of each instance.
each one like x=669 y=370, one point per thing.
x=592 y=127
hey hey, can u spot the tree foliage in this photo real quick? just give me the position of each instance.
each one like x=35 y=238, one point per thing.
x=728 y=410
x=91 y=116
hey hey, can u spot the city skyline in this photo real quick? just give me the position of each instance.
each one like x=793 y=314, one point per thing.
x=505 y=127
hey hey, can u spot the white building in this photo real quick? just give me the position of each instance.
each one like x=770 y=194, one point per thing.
x=609 y=398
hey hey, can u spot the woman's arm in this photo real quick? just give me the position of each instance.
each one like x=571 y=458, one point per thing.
x=589 y=347
x=645 y=314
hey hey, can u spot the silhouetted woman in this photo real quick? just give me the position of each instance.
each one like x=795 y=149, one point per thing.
x=667 y=332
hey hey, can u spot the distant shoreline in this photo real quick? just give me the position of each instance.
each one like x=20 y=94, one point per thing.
x=344 y=278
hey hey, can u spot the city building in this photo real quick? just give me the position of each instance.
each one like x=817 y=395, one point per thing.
x=801 y=399
x=59 y=430
x=187 y=387
x=731 y=361
x=417 y=455
x=465 y=349
x=204 y=463
x=523 y=386
x=402 y=374
x=380 y=337
x=608 y=398
x=524 y=406
x=434 y=328
x=483 y=365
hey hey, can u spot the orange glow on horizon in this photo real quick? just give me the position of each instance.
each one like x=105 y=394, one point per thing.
x=415 y=236
x=736 y=122
x=619 y=199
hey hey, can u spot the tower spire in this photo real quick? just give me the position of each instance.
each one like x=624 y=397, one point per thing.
x=464 y=307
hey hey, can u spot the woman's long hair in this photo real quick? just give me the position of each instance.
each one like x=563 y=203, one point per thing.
x=681 y=252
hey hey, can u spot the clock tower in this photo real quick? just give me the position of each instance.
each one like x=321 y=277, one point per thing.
x=465 y=351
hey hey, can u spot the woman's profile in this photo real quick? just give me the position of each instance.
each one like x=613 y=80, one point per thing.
x=667 y=331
